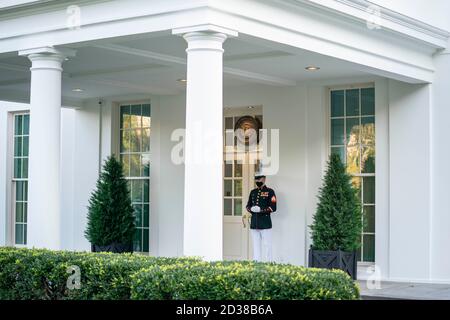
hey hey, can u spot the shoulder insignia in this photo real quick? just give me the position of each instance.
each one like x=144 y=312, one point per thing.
x=274 y=199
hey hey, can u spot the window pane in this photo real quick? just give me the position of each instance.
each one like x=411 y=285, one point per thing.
x=126 y=164
x=229 y=123
x=136 y=190
x=238 y=188
x=146 y=190
x=19 y=234
x=340 y=151
x=25 y=190
x=146 y=110
x=146 y=119
x=18 y=125
x=337 y=103
x=135 y=140
x=125 y=118
x=136 y=116
x=227 y=207
x=19 y=191
x=356 y=182
x=352 y=102
x=229 y=138
x=18 y=146
x=353 y=162
x=25 y=168
x=227 y=189
x=352 y=127
x=25 y=146
x=145 y=140
x=19 y=212
x=25 y=212
x=138 y=240
x=369 y=248
x=369 y=219
x=238 y=207
x=25 y=234
x=145 y=161
x=17 y=168
x=26 y=124
x=369 y=190
x=146 y=215
x=125 y=141
x=337 y=132
x=145 y=240
x=237 y=169
x=228 y=170
x=368 y=101
x=368 y=160
x=368 y=130
x=135 y=165
x=138 y=215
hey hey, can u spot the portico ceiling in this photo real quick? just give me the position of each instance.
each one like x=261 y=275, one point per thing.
x=152 y=64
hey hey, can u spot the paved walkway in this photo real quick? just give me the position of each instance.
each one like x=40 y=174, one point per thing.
x=408 y=291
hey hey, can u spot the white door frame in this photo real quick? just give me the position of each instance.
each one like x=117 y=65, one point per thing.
x=235 y=228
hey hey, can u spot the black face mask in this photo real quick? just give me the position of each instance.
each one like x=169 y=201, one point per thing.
x=259 y=184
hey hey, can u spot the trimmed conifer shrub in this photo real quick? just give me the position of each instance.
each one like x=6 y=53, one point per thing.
x=338 y=219
x=111 y=215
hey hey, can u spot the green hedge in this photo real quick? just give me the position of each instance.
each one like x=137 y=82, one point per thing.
x=42 y=274
x=198 y=280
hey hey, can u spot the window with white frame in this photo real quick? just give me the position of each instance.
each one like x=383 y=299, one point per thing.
x=21 y=126
x=135 y=123
x=352 y=126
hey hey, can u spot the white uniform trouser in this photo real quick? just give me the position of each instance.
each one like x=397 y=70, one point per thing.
x=262 y=244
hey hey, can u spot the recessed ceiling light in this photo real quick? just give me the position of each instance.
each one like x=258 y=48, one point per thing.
x=312 y=68
x=182 y=80
x=77 y=90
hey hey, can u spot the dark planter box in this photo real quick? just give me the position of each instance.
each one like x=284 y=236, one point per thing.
x=113 y=247
x=345 y=261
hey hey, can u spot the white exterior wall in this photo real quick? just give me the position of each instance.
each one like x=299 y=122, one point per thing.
x=410 y=203
x=166 y=178
x=411 y=220
x=409 y=239
x=300 y=114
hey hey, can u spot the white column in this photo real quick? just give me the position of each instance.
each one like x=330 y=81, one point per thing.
x=44 y=150
x=203 y=195
x=440 y=170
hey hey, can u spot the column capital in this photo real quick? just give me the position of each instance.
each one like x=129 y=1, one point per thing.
x=205 y=29
x=47 y=57
x=205 y=37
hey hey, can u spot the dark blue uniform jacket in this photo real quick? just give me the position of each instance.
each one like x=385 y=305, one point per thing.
x=266 y=199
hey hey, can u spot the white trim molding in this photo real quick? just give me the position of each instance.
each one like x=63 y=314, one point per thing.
x=387 y=19
x=402 y=49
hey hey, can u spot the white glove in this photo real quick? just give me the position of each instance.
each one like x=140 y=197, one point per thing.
x=255 y=209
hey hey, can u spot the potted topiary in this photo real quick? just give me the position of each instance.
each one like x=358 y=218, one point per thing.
x=336 y=229
x=111 y=221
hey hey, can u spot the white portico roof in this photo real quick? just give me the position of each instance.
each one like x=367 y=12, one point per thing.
x=126 y=46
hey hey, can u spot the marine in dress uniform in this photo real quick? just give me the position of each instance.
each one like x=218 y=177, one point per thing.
x=262 y=202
